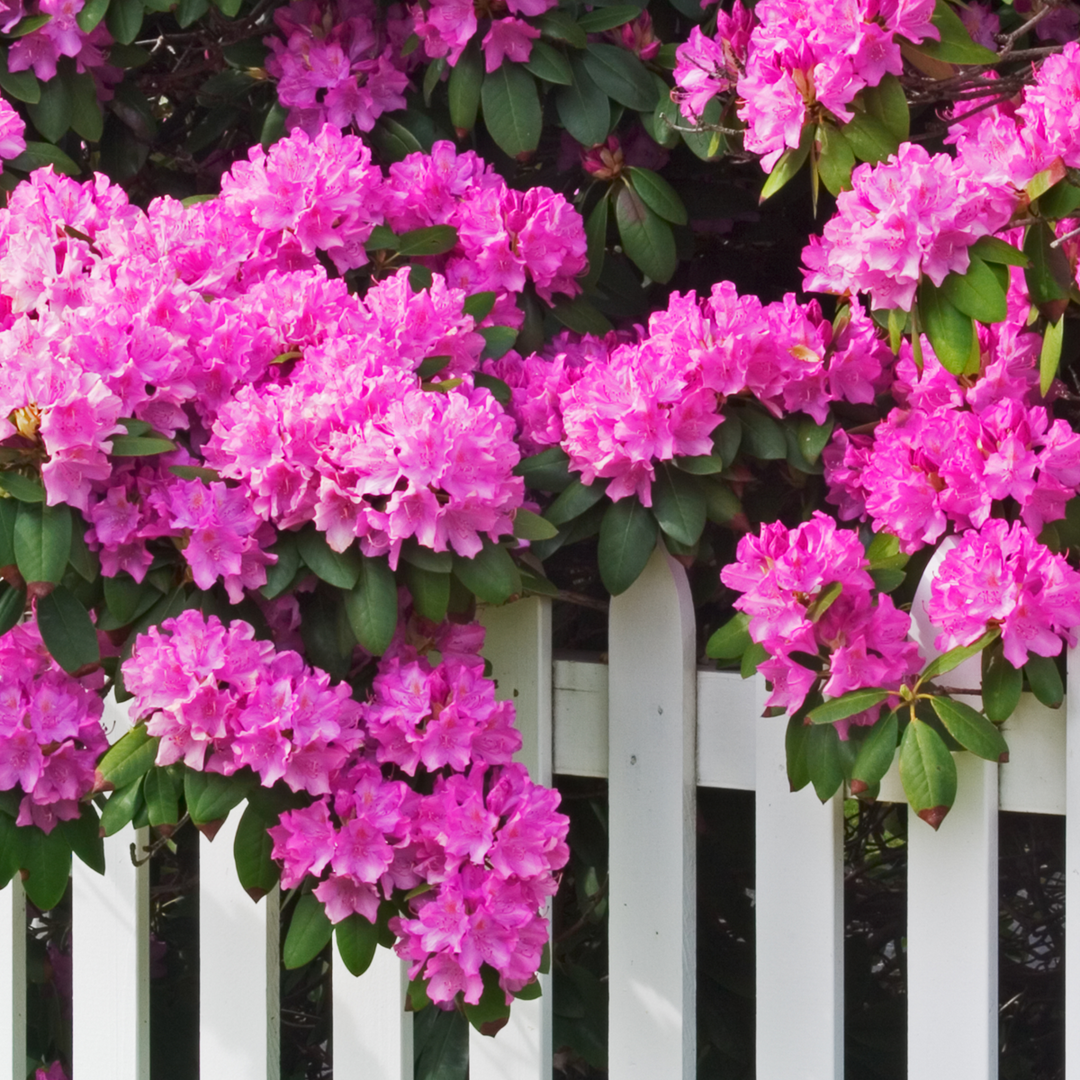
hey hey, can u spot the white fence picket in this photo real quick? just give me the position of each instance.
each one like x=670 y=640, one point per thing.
x=110 y=945
x=239 y=969
x=799 y=908
x=1072 y=870
x=518 y=644
x=13 y=981
x=652 y=932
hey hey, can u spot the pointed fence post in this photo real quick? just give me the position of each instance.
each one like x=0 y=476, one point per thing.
x=13 y=977
x=952 y=939
x=799 y=904
x=518 y=644
x=239 y=968
x=652 y=931
x=110 y=939
x=1072 y=866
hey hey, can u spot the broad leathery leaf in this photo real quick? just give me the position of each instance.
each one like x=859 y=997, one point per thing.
x=1047 y=275
x=52 y=114
x=162 y=787
x=583 y=108
x=992 y=249
x=823 y=760
x=855 y=701
x=431 y=240
x=580 y=316
x=125 y=600
x=530 y=526
x=46 y=861
x=309 y=933
x=826 y=597
x=1062 y=200
x=762 y=436
x=705 y=465
x=954 y=657
x=678 y=505
x=727 y=437
x=574 y=500
x=547 y=63
x=357 y=940
x=23 y=488
x=788 y=164
x=752 y=659
x=627 y=538
x=657 y=194
x=875 y=754
x=928 y=772
x=499 y=341
x=955 y=46
x=257 y=871
x=596 y=239
x=547 y=471
x=662 y=123
x=83 y=835
x=646 y=238
x=66 y=629
x=621 y=75
x=124 y=20
x=81 y=559
x=86 y=118
x=491 y=1012
x=21 y=85
x=971 y=729
x=835 y=159
x=430 y=591
x=491 y=575
x=372 y=605
x=1045 y=680
x=722 y=505
x=280 y=576
x=976 y=293
x=950 y=331
x=140 y=446
x=884 y=551
x=340 y=568
x=431 y=79
x=28 y=24
x=121 y=807
x=129 y=759
x=9 y=511
x=795 y=741
x=869 y=138
x=813 y=437
x=887 y=103
x=512 y=111
x=1050 y=356
x=210 y=796
x=558 y=26
x=731 y=640
x=704 y=143
x=12 y=607
x=1002 y=684
x=479 y=305
x=607 y=18
x=40 y=155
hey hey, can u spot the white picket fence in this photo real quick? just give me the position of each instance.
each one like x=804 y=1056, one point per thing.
x=656 y=728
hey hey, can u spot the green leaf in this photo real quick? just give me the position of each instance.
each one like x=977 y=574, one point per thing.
x=530 y=526
x=928 y=772
x=547 y=471
x=887 y=102
x=1002 y=685
x=558 y=26
x=706 y=465
x=823 y=761
x=340 y=568
x=511 y=107
x=1062 y=200
x=621 y=75
x=490 y=1014
x=796 y=738
x=500 y=340
x=432 y=240
x=84 y=838
x=52 y=114
x=86 y=118
x=257 y=871
x=42 y=541
x=813 y=437
x=372 y=605
x=583 y=107
x=762 y=436
x=549 y=64
x=1050 y=356
x=657 y=194
x=1047 y=275
x=66 y=629
x=954 y=657
x=607 y=18
x=129 y=759
x=752 y=659
x=971 y=729
x=993 y=250
x=12 y=607
x=436 y=562
x=705 y=143
x=432 y=76
x=627 y=538
x=21 y=85
x=875 y=754
x=210 y=796
x=479 y=305
x=646 y=238
x=357 y=940
x=430 y=592
x=28 y=24
x=835 y=159
x=678 y=505
x=121 y=807
x=280 y=576
x=309 y=933
x=1045 y=680
x=976 y=293
x=381 y=238
x=869 y=138
x=9 y=511
x=126 y=600
x=491 y=575
x=855 y=701
x=161 y=790
x=22 y=487
x=950 y=331
x=196 y=472
x=574 y=500
x=124 y=20
x=140 y=446
x=46 y=859
x=788 y=164
x=81 y=559
x=580 y=316
x=189 y=12
x=731 y=640
x=955 y=46
x=596 y=225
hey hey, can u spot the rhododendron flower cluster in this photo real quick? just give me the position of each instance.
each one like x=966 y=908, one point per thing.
x=60 y=35
x=340 y=63
x=708 y=66
x=808 y=55
x=910 y=216
x=1001 y=576
x=12 y=132
x=785 y=577
x=50 y=730
x=950 y=454
x=445 y=27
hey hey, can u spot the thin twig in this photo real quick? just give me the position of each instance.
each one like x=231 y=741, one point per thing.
x=1007 y=41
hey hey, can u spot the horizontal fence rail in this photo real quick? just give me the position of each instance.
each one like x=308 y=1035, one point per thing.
x=656 y=729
